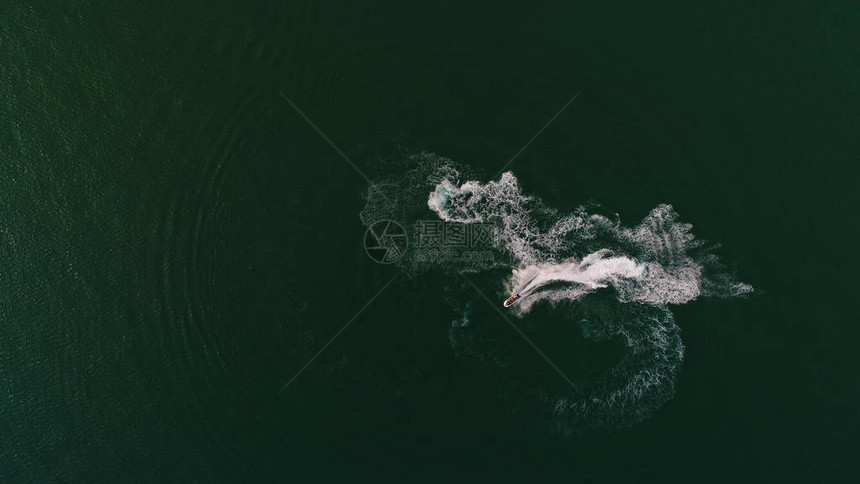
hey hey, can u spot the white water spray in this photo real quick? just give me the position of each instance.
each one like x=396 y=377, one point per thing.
x=650 y=263
x=623 y=280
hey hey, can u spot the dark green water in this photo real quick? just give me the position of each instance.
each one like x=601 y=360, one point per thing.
x=177 y=241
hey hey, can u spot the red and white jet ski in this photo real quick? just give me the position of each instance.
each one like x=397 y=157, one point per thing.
x=511 y=300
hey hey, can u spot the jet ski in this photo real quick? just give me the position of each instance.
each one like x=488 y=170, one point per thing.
x=511 y=300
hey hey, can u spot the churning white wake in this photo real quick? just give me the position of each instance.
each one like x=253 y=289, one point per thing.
x=560 y=256
x=570 y=280
x=622 y=278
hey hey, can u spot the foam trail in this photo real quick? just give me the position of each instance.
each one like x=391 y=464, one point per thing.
x=622 y=278
x=653 y=262
x=571 y=279
x=566 y=257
